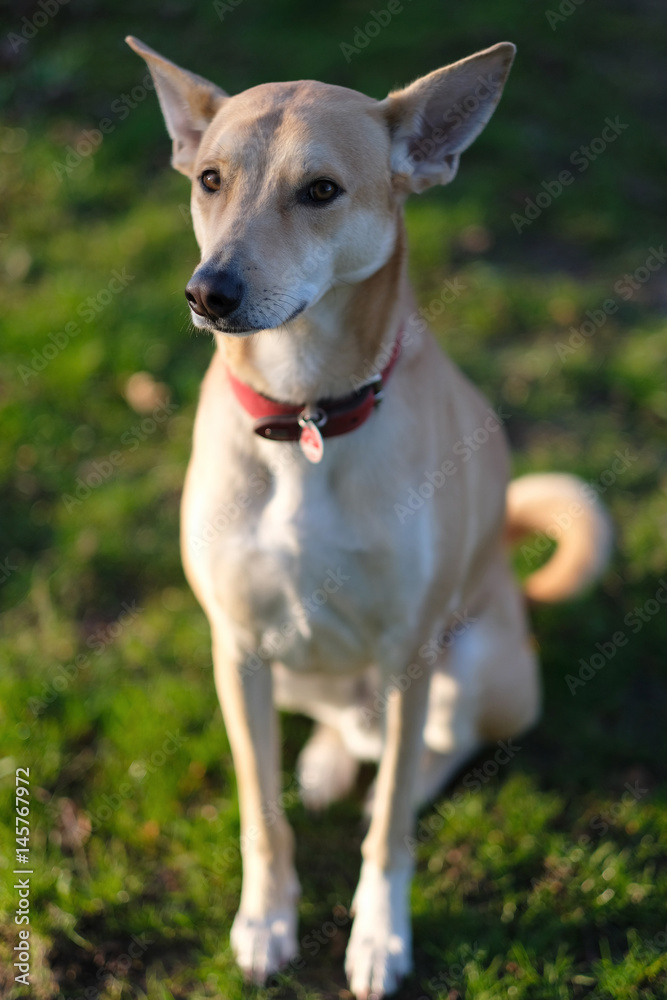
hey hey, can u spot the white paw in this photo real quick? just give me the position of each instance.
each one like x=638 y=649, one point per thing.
x=379 y=953
x=326 y=769
x=264 y=945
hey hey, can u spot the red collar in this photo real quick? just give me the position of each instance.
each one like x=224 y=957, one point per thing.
x=286 y=421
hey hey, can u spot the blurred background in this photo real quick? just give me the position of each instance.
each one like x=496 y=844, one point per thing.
x=549 y=879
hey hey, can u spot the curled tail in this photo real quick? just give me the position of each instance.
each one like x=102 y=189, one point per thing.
x=566 y=510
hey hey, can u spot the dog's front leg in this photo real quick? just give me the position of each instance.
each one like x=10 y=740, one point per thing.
x=379 y=952
x=263 y=935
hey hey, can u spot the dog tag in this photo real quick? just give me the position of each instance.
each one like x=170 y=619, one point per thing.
x=311 y=442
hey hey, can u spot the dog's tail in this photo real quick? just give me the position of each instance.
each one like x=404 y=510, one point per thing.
x=560 y=508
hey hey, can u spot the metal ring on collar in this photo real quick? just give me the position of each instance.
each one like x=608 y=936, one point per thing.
x=313 y=415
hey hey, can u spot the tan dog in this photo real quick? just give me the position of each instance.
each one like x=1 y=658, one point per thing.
x=351 y=557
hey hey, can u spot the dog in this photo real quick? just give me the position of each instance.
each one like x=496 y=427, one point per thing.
x=346 y=511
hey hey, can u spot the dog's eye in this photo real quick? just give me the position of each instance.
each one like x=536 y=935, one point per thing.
x=322 y=190
x=210 y=180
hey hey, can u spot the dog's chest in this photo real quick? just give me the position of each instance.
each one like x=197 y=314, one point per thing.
x=322 y=581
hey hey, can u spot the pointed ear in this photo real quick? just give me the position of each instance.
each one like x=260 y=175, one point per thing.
x=436 y=118
x=189 y=103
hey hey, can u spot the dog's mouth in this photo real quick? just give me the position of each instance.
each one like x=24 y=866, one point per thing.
x=243 y=326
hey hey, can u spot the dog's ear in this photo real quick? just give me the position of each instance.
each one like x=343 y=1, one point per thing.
x=436 y=118
x=189 y=103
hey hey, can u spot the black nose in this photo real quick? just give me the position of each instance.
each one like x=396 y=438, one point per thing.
x=214 y=294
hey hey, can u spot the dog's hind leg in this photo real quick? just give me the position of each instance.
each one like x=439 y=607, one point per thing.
x=326 y=768
x=485 y=687
x=436 y=771
x=509 y=684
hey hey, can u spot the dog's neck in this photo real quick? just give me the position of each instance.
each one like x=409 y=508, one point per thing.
x=334 y=346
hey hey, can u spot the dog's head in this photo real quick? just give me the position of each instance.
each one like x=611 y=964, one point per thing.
x=296 y=186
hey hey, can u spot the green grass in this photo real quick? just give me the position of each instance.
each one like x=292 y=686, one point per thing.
x=549 y=881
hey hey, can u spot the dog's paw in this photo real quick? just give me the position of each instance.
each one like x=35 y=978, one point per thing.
x=326 y=769
x=264 y=945
x=379 y=953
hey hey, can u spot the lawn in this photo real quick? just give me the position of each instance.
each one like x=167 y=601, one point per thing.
x=544 y=878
